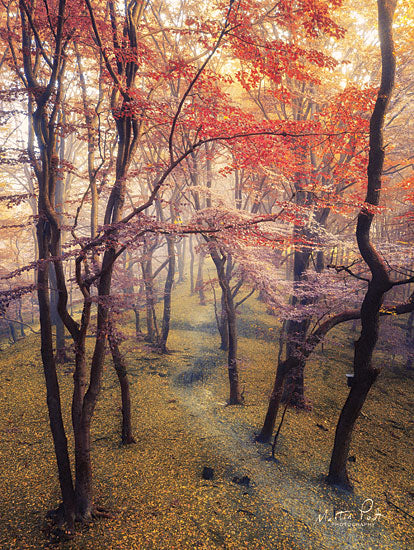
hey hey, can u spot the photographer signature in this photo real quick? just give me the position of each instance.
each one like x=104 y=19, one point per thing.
x=366 y=514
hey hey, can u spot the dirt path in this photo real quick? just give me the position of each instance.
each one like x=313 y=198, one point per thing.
x=304 y=501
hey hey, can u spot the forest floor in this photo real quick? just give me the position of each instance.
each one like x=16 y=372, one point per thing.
x=155 y=489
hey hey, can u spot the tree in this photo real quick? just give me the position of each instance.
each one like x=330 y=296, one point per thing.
x=365 y=373
x=42 y=70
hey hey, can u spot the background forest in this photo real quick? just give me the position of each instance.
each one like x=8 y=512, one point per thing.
x=206 y=273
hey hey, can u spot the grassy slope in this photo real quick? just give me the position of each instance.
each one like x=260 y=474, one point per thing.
x=155 y=487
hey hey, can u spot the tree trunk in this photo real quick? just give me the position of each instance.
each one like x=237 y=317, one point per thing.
x=167 y=295
x=83 y=465
x=233 y=372
x=61 y=356
x=52 y=385
x=199 y=285
x=181 y=260
x=12 y=330
x=191 y=265
x=223 y=326
x=138 y=332
x=338 y=474
x=149 y=301
x=274 y=404
x=365 y=373
x=127 y=436
x=294 y=392
x=296 y=361
x=20 y=317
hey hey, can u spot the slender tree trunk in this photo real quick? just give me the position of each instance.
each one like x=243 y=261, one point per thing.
x=365 y=373
x=83 y=465
x=274 y=404
x=12 y=331
x=191 y=265
x=127 y=436
x=149 y=300
x=20 y=317
x=167 y=295
x=138 y=332
x=296 y=362
x=199 y=286
x=83 y=487
x=223 y=325
x=52 y=385
x=181 y=260
x=233 y=372
x=61 y=356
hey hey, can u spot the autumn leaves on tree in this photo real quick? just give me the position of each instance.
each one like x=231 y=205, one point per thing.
x=236 y=131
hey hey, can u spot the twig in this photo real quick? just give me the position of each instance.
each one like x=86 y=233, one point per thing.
x=280 y=424
x=20 y=323
x=339 y=268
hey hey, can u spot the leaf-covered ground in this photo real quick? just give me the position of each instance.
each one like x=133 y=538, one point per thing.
x=155 y=488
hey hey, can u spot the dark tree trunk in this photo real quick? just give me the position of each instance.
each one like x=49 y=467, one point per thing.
x=235 y=393
x=83 y=509
x=338 y=474
x=274 y=404
x=320 y=261
x=52 y=385
x=296 y=362
x=296 y=332
x=223 y=325
x=83 y=465
x=365 y=373
x=209 y=174
x=167 y=295
x=138 y=332
x=20 y=317
x=192 y=286
x=127 y=436
x=199 y=285
x=12 y=330
x=61 y=356
x=152 y=332
x=223 y=320
x=294 y=388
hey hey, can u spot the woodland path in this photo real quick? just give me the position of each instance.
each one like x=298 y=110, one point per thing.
x=279 y=488
x=301 y=504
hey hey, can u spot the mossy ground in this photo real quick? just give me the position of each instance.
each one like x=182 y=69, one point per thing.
x=155 y=488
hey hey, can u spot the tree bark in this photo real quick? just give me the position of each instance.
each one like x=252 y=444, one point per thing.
x=52 y=385
x=296 y=361
x=61 y=356
x=235 y=397
x=223 y=325
x=365 y=373
x=192 y=286
x=181 y=246
x=146 y=265
x=167 y=295
x=199 y=285
x=127 y=436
